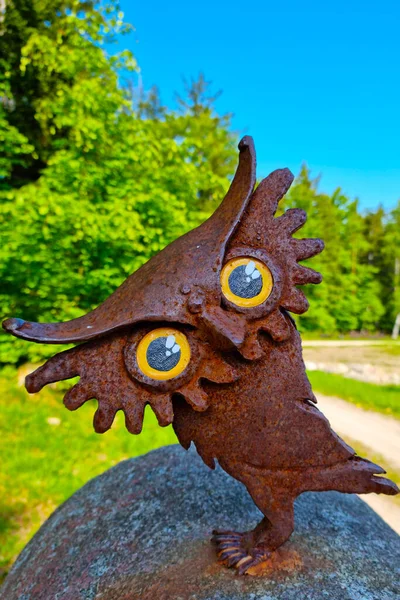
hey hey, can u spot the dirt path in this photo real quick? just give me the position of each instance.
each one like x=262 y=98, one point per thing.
x=385 y=508
x=374 y=362
x=379 y=433
x=343 y=343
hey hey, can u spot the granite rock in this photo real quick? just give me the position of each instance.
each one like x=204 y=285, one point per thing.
x=142 y=531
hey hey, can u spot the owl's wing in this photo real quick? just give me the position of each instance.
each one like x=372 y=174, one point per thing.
x=109 y=372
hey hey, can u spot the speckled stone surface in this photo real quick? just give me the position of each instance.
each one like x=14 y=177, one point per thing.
x=141 y=531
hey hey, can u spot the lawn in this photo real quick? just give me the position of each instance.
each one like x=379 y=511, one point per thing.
x=48 y=453
x=382 y=398
x=350 y=337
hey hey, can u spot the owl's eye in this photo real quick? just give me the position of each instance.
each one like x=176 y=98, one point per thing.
x=246 y=282
x=163 y=353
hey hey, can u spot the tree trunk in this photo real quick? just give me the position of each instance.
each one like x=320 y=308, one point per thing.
x=396 y=327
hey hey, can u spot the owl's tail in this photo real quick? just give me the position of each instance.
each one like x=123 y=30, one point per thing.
x=356 y=475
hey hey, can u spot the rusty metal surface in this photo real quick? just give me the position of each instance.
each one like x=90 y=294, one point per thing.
x=244 y=398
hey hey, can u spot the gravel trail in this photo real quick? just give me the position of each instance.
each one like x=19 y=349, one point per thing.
x=379 y=433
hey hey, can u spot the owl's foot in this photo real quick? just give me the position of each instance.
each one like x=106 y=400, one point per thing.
x=237 y=550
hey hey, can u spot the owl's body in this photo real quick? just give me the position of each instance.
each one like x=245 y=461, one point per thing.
x=266 y=419
x=265 y=430
x=202 y=334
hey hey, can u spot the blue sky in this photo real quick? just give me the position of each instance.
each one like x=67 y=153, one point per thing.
x=311 y=81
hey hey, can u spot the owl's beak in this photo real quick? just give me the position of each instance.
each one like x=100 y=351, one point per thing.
x=227 y=330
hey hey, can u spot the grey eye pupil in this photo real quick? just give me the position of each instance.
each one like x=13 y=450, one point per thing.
x=244 y=284
x=163 y=356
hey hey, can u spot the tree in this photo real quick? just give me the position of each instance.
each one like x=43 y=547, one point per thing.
x=57 y=85
x=391 y=252
x=348 y=299
x=207 y=138
x=101 y=188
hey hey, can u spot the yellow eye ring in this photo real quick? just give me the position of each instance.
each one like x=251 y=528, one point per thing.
x=163 y=353
x=255 y=275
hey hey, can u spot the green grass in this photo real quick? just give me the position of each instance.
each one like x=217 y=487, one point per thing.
x=47 y=453
x=378 y=337
x=394 y=349
x=382 y=398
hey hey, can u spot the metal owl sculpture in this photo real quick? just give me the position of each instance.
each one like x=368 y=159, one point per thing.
x=202 y=333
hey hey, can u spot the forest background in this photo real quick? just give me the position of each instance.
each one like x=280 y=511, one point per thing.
x=96 y=176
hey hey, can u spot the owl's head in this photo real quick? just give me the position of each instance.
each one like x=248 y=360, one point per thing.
x=210 y=291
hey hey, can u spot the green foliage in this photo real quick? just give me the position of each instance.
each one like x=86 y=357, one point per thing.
x=112 y=188
x=391 y=255
x=358 y=281
x=55 y=452
x=382 y=398
x=58 y=86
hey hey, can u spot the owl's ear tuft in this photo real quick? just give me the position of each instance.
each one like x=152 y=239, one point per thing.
x=271 y=190
x=254 y=229
x=247 y=142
